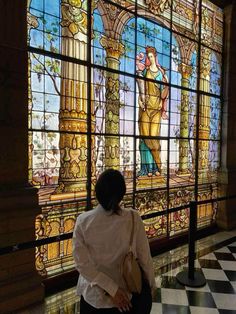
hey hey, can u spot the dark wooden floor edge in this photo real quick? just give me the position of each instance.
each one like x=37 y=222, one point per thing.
x=69 y=279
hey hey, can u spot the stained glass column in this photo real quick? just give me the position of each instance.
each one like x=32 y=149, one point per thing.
x=73 y=102
x=186 y=71
x=204 y=113
x=114 y=50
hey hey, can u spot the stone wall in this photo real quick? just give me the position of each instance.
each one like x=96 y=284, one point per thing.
x=226 y=217
x=20 y=284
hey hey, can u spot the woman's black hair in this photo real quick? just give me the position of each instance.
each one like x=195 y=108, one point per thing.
x=110 y=190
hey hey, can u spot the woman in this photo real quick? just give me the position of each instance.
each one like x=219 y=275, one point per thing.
x=153 y=106
x=100 y=242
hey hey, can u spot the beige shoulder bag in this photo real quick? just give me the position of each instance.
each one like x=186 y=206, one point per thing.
x=131 y=270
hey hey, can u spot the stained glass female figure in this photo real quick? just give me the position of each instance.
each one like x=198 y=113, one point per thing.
x=152 y=107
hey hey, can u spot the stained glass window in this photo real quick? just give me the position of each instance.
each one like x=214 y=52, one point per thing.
x=132 y=85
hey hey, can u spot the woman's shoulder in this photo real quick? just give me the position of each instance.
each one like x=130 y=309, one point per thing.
x=84 y=216
x=129 y=210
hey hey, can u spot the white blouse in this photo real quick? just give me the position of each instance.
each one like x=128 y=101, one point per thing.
x=100 y=242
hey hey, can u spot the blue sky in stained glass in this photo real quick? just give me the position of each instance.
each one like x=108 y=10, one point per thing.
x=215 y=75
x=99 y=54
x=47 y=34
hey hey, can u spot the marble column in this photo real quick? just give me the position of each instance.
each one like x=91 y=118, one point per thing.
x=186 y=71
x=204 y=113
x=114 y=50
x=20 y=284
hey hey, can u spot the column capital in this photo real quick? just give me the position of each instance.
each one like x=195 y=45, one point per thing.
x=185 y=69
x=114 y=47
x=74 y=18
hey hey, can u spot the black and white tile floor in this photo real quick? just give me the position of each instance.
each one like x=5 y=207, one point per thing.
x=216 y=259
x=217 y=296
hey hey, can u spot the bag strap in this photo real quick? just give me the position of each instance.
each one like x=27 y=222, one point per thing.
x=132 y=231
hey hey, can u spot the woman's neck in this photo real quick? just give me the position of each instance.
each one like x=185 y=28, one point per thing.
x=154 y=68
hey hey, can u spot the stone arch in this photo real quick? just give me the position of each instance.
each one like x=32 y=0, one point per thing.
x=122 y=19
x=107 y=23
x=157 y=19
x=192 y=49
x=189 y=52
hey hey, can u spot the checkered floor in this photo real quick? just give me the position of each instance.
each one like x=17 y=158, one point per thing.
x=217 y=296
x=216 y=260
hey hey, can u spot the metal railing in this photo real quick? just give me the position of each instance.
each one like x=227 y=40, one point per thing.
x=192 y=230
x=191 y=277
